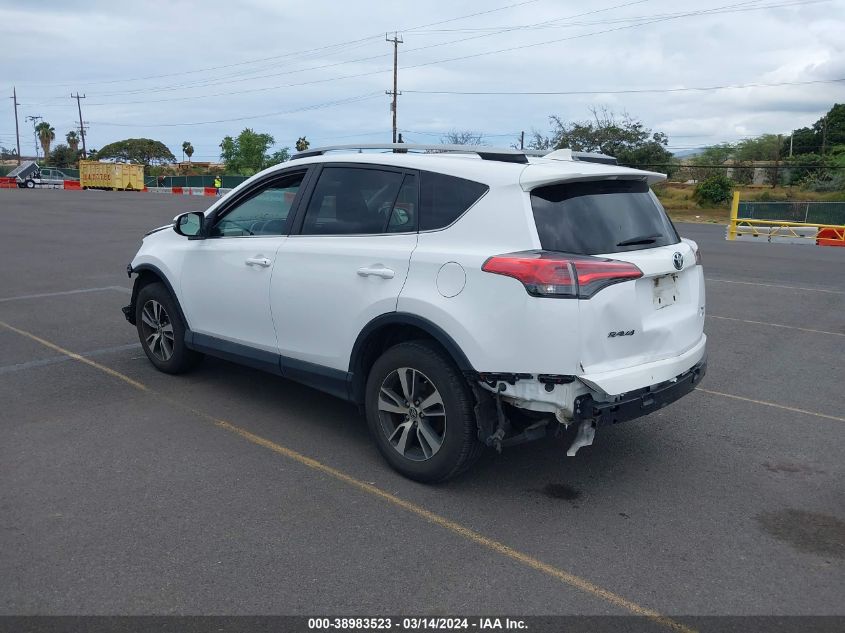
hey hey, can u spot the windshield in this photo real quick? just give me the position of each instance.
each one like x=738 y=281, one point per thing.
x=600 y=216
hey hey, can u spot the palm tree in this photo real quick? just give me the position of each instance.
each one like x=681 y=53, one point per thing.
x=73 y=140
x=46 y=135
x=188 y=150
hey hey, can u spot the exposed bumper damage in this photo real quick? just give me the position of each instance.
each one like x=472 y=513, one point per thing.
x=641 y=402
x=570 y=401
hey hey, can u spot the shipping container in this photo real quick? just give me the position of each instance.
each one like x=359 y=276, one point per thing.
x=116 y=176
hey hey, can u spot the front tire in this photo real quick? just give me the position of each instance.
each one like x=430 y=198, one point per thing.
x=420 y=412
x=162 y=331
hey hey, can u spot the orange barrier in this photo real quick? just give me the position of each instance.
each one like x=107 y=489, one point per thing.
x=176 y=190
x=8 y=183
x=71 y=184
x=209 y=191
x=831 y=237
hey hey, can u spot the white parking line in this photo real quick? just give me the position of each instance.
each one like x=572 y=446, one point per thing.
x=789 y=327
x=754 y=283
x=66 y=292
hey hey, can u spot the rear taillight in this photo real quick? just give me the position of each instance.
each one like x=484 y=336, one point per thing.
x=549 y=274
x=697 y=255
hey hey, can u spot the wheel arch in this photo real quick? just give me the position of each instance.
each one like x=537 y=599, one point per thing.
x=150 y=274
x=388 y=330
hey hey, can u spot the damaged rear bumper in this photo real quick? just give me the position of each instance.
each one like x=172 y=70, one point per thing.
x=640 y=402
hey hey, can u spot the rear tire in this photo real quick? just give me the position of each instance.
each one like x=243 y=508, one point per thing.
x=420 y=411
x=162 y=330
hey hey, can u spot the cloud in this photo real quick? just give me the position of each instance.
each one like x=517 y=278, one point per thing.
x=104 y=49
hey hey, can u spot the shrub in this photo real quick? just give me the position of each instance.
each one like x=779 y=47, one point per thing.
x=714 y=190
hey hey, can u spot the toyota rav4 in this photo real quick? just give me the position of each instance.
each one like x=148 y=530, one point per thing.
x=463 y=298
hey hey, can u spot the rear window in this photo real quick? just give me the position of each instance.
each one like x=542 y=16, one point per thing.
x=443 y=199
x=600 y=216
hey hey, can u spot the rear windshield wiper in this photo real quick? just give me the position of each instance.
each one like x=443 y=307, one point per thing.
x=642 y=239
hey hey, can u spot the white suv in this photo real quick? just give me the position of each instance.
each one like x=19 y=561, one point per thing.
x=467 y=298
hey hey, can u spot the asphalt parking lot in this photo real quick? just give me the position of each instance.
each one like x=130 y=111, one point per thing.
x=230 y=491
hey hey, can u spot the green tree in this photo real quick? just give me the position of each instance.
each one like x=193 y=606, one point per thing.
x=462 y=137
x=72 y=140
x=826 y=133
x=137 y=150
x=714 y=190
x=187 y=150
x=63 y=156
x=302 y=144
x=248 y=153
x=46 y=135
x=622 y=136
x=280 y=156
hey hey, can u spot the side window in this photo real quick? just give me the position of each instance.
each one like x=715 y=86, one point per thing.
x=404 y=216
x=349 y=200
x=443 y=199
x=264 y=213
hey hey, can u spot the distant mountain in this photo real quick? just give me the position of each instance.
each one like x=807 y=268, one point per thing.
x=687 y=153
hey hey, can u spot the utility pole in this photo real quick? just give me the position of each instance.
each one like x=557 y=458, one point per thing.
x=81 y=125
x=777 y=163
x=17 y=130
x=790 y=144
x=522 y=140
x=397 y=40
x=35 y=119
x=824 y=134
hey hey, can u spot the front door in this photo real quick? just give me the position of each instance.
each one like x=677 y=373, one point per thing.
x=225 y=280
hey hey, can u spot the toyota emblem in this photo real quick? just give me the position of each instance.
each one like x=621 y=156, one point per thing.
x=678 y=261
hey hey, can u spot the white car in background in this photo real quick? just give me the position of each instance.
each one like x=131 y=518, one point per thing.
x=467 y=298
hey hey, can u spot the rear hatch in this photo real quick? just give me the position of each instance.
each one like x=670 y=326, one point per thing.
x=657 y=316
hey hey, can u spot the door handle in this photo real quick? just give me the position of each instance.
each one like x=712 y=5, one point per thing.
x=258 y=261
x=377 y=271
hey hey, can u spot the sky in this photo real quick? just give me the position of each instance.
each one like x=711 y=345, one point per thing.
x=197 y=71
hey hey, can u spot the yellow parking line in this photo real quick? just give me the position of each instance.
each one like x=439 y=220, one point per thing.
x=456 y=528
x=790 y=327
x=74 y=356
x=771 y=404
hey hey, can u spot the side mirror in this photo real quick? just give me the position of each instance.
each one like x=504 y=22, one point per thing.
x=189 y=224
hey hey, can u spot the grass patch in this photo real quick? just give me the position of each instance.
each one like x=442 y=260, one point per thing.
x=681 y=207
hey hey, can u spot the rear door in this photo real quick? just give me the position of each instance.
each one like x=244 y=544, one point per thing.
x=345 y=261
x=658 y=316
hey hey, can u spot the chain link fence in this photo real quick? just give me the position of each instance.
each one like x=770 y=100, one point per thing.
x=805 y=212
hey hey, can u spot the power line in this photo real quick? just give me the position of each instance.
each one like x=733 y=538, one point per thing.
x=317 y=106
x=370 y=73
x=291 y=54
x=548 y=25
x=216 y=81
x=626 y=91
x=431 y=63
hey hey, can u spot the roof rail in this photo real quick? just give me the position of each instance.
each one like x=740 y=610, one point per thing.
x=486 y=153
x=568 y=154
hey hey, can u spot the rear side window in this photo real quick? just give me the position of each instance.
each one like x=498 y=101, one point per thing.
x=443 y=199
x=600 y=216
x=349 y=200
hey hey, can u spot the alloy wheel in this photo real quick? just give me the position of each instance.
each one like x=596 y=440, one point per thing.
x=157 y=330
x=412 y=414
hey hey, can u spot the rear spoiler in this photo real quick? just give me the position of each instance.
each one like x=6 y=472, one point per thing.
x=568 y=154
x=541 y=173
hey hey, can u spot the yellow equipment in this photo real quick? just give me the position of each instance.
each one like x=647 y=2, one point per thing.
x=116 y=176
